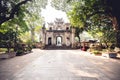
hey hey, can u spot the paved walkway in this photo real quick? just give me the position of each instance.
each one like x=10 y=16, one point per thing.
x=59 y=65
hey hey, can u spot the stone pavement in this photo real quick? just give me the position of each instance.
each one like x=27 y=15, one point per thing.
x=60 y=65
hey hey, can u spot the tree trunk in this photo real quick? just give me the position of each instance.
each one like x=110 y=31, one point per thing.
x=106 y=44
x=8 y=46
x=116 y=27
x=79 y=39
x=118 y=39
x=33 y=34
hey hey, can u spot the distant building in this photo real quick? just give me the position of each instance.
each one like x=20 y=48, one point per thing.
x=58 y=34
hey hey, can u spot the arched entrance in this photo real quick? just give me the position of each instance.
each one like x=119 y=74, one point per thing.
x=49 y=41
x=59 y=41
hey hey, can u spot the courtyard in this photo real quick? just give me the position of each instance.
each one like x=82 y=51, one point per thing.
x=59 y=40
x=59 y=65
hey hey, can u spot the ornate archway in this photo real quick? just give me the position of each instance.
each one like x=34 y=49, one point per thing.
x=59 y=41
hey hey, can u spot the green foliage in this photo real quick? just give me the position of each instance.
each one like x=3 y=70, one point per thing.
x=3 y=50
x=94 y=13
x=61 y=5
x=7 y=39
x=104 y=33
x=19 y=52
x=75 y=15
x=16 y=22
x=19 y=49
x=23 y=37
x=27 y=17
x=83 y=11
x=37 y=29
x=34 y=19
x=10 y=8
x=91 y=15
x=78 y=30
x=23 y=49
x=96 y=52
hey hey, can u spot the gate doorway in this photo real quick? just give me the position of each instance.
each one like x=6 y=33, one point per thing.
x=49 y=41
x=59 y=41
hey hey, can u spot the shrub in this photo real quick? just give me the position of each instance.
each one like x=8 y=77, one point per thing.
x=19 y=52
x=19 y=49
x=96 y=52
x=23 y=49
x=29 y=48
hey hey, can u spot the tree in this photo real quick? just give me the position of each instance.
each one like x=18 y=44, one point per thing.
x=34 y=19
x=115 y=17
x=7 y=39
x=85 y=11
x=61 y=5
x=105 y=34
x=10 y=8
x=15 y=21
x=78 y=30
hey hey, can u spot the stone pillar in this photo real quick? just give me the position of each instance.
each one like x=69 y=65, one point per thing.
x=44 y=36
x=54 y=39
x=46 y=39
x=73 y=37
x=64 y=39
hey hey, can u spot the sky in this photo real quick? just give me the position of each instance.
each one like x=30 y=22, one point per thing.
x=50 y=13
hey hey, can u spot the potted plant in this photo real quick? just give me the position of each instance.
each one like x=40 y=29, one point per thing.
x=109 y=53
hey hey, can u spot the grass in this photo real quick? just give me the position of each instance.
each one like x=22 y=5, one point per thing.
x=3 y=50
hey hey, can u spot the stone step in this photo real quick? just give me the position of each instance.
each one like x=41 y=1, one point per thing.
x=57 y=47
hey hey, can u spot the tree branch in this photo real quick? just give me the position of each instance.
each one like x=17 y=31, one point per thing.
x=13 y=12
